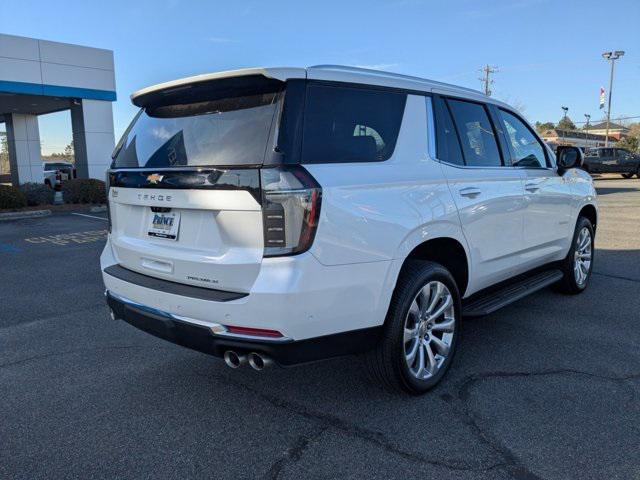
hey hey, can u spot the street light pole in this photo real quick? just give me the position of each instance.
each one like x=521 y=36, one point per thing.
x=564 y=117
x=586 y=135
x=611 y=57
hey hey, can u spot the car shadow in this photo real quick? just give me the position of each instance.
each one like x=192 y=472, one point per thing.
x=609 y=190
x=609 y=177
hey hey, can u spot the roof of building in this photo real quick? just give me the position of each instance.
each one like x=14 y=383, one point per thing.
x=581 y=134
x=336 y=73
x=612 y=126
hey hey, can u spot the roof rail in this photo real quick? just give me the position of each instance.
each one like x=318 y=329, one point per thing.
x=381 y=73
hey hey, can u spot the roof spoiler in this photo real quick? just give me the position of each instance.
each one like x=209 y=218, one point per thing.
x=216 y=85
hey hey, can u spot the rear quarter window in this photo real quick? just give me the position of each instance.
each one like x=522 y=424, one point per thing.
x=348 y=124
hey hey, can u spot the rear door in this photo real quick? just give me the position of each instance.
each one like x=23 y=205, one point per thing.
x=184 y=186
x=489 y=195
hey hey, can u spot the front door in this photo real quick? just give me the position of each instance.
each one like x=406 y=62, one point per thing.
x=625 y=161
x=547 y=195
x=608 y=160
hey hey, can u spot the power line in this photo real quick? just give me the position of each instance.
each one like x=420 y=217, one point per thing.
x=486 y=71
x=616 y=119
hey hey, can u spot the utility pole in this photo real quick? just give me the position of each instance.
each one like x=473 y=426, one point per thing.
x=487 y=70
x=586 y=135
x=564 y=117
x=611 y=57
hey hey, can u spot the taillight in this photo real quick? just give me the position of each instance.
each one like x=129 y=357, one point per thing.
x=107 y=183
x=290 y=209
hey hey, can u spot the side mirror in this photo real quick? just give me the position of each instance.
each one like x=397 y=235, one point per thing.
x=568 y=157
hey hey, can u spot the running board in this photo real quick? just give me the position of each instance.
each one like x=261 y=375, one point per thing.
x=486 y=303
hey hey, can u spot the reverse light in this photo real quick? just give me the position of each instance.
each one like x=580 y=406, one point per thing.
x=290 y=209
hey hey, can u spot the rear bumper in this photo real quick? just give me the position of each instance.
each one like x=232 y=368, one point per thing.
x=295 y=295
x=202 y=338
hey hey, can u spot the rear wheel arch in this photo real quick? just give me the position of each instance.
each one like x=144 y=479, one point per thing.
x=447 y=252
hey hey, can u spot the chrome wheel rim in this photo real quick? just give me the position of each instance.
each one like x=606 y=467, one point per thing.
x=582 y=256
x=429 y=329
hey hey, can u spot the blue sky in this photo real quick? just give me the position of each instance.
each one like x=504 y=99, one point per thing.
x=548 y=52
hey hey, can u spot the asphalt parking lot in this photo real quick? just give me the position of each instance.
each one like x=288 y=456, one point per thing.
x=548 y=388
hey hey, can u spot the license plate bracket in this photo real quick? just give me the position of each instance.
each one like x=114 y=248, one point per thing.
x=164 y=225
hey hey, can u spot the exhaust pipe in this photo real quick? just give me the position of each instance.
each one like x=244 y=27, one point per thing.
x=259 y=362
x=234 y=360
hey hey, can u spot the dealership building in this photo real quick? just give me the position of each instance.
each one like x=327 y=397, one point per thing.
x=39 y=77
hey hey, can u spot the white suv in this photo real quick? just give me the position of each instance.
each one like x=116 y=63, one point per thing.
x=287 y=215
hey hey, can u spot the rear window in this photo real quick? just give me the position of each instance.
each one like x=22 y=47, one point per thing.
x=479 y=144
x=56 y=166
x=343 y=124
x=224 y=131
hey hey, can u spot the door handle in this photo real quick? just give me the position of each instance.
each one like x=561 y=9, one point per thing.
x=531 y=187
x=470 y=192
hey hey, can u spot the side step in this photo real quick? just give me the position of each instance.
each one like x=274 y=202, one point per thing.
x=485 y=303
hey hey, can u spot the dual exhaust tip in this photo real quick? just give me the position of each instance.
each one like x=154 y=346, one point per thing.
x=257 y=361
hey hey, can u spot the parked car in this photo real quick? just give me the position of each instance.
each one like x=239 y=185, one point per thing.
x=612 y=160
x=291 y=215
x=57 y=172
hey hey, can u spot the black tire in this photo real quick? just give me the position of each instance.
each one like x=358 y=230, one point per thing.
x=569 y=284
x=386 y=364
x=628 y=175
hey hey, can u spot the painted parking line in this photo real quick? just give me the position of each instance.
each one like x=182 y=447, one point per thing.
x=70 y=238
x=89 y=216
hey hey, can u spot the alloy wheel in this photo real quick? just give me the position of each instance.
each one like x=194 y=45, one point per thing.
x=582 y=256
x=429 y=329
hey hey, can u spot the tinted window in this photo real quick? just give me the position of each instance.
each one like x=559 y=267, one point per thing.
x=476 y=134
x=350 y=124
x=225 y=131
x=55 y=166
x=526 y=150
x=448 y=145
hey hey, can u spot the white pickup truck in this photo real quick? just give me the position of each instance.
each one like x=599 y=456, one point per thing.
x=54 y=173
